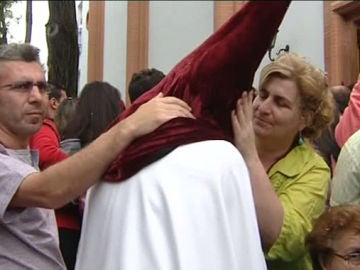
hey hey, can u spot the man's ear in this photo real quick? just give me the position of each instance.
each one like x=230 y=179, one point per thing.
x=322 y=262
x=53 y=103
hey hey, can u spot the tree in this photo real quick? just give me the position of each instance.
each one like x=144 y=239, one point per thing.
x=63 y=48
x=5 y=15
x=28 y=21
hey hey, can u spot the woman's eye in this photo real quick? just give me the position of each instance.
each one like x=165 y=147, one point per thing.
x=262 y=94
x=282 y=104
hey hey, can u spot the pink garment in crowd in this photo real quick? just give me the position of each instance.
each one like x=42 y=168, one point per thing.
x=350 y=121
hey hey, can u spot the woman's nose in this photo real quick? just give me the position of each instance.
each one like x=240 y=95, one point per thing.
x=264 y=106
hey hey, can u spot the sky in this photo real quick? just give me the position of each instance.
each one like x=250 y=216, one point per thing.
x=40 y=18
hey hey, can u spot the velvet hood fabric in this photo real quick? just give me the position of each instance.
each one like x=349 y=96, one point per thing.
x=210 y=79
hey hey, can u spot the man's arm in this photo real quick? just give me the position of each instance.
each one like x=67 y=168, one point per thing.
x=66 y=180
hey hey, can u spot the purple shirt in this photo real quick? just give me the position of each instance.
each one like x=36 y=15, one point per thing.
x=28 y=236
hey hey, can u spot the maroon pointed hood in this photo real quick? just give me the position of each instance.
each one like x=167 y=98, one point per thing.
x=210 y=80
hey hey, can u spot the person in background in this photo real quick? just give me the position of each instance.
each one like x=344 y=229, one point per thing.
x=28 y=196
x=64 y=114
x=47 y=142
x=326 y=144
x=350 y=119
x=47 y=139
x=98 y=105
x=341 y=94
x=143 y=81
x=334 y=242
x=68 y=217
x=289 y=179
x=346 y=180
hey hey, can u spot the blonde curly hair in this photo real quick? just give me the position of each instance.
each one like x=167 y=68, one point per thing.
x=317 y=103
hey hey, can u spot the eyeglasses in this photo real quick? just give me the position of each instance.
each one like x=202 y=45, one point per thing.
x=27 y=86
x=352 y=258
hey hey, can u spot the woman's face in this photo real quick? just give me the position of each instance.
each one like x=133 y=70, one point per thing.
x=346 y=252
x=277 y=113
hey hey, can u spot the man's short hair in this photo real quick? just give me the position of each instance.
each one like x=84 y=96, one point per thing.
x=143 y=81
x=55 y=91
x=341 y=95
x=19 y=52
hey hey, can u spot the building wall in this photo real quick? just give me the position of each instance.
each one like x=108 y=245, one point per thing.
x=176 y=28
x=115 y=44
x=341 y=23
x=303 y=30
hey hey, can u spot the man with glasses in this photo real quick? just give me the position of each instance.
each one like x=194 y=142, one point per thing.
x=27 y=225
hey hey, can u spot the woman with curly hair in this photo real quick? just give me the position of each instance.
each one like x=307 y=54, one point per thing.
x=289 y=179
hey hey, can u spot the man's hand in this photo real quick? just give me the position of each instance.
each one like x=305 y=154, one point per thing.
x=156 y=112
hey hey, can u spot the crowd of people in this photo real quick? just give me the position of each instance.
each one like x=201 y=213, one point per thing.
x=198 y=172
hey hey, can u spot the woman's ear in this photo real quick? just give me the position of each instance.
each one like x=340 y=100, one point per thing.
x=306 y=120
x=303 y=123
x=309 y=118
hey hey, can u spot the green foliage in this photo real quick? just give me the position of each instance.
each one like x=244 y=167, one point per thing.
x=6 y=17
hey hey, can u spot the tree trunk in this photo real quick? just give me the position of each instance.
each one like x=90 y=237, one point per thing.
x=28 y=21
x=3 y=26
x=63 y=48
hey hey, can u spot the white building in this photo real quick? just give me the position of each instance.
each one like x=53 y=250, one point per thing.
x=122 y=37
x=175 y=28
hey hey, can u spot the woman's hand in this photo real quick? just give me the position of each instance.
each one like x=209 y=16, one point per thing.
x=242 y=117
x=156 y=112
x=269 y=210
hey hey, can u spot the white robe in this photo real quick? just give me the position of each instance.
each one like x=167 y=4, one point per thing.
x=191 y=210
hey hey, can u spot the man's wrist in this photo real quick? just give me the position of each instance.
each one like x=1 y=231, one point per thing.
x=127 y=130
